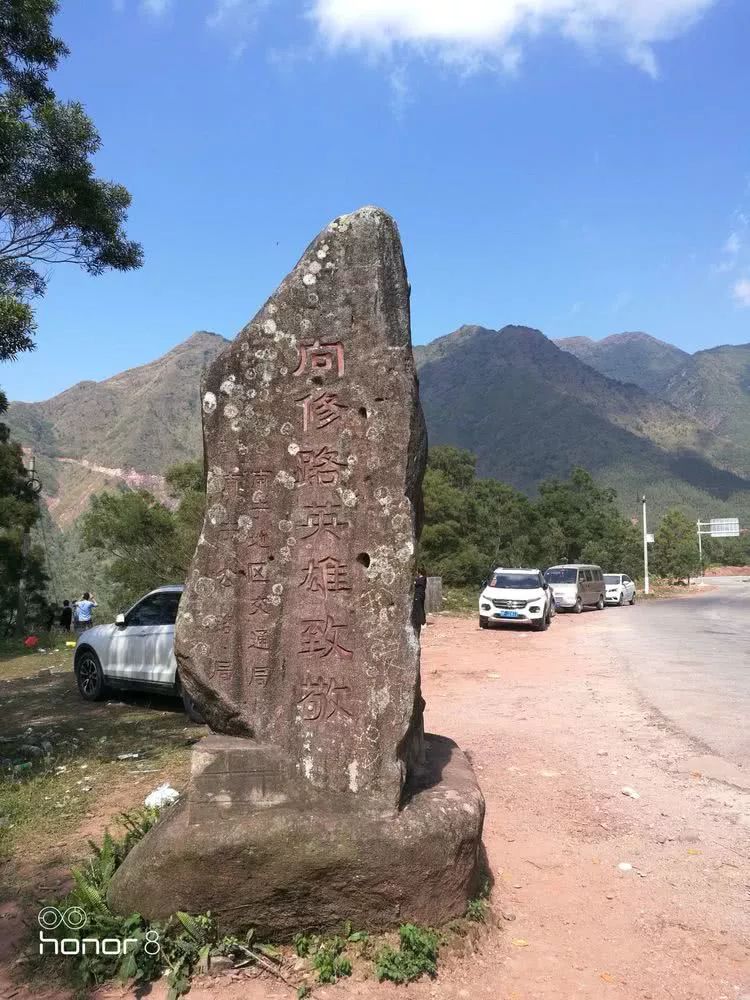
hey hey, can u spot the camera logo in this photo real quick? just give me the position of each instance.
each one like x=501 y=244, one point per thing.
x=75 y=919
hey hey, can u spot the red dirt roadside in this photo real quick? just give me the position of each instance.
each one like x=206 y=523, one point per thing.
x=555 y=731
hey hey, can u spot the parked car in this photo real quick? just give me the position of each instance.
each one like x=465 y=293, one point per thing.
x=620 y=589
x=577 y=585
x=136 y=651
x=516 y=595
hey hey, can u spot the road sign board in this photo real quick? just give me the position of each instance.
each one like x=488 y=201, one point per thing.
x=649 y=538
x=725 y=527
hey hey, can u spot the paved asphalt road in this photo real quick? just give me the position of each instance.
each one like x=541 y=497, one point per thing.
x=690 y=658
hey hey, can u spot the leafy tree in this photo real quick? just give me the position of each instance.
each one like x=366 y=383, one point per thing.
x=675 y=547
x=727 y=551
x=18 y=512
x=457 y=466
x=146 y=543
x=52 y=207
x=472 y=525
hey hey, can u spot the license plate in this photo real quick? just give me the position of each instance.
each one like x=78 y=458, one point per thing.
x=507 y=614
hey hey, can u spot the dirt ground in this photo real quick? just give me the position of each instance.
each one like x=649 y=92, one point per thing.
x=556 y=730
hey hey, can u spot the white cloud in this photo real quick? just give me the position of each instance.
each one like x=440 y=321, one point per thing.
x=400 y=93
x=237 y=19
x=733 y=245
x=741 y=292
x=156 y=7
x=482 y=32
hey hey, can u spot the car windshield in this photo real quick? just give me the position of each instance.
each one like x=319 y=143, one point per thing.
x=515 y=581
x=560 y=576
x=611 y=578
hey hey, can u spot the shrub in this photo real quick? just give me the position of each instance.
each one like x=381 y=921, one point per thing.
x=417 y=955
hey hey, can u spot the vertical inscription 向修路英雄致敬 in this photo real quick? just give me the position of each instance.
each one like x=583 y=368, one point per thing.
x=322 y=572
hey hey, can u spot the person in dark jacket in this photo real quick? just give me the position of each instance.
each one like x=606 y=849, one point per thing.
x=66 y=616
x=419 y=617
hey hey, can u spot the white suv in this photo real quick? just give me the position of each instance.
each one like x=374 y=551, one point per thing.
x=620 y=589
x=137 y=651
x=516 y=595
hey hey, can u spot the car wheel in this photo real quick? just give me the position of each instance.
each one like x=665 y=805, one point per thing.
x=89 y=676
x=578 y=606
x=191 y=709
x=632 y=600
x=600 y=603
x=483 y=623
x=542 y=625
x=622 y=599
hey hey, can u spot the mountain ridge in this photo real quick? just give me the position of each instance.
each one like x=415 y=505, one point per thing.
x=528 y=407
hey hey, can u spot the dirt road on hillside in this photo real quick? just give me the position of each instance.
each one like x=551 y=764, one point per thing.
x=556 y=729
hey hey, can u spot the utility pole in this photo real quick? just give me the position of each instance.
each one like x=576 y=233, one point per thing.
x=700 y=546
x=34 y=484
x=645 y=548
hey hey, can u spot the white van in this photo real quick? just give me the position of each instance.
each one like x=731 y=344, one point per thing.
x=577 y=585
x=516 y=595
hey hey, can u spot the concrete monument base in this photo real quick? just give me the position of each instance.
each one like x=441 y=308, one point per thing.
x=260 y=848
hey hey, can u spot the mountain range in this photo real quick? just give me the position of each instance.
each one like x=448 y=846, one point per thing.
x=712 y=386
x=640 y=414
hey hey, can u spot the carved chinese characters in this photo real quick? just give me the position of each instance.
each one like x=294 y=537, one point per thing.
x=295 y=625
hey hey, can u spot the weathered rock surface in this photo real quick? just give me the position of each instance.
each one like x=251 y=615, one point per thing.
x=284 y=869
x=317 y=799
x=295 y=626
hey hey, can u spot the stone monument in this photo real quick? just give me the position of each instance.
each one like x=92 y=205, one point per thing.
x=317 y=798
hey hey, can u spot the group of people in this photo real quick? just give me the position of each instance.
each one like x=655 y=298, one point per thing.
x=78 y=616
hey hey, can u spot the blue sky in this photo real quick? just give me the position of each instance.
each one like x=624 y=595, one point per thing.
x=581 y=166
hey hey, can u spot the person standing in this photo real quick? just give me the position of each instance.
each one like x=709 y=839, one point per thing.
x=419 y=617
x=66 y=616
x=84 y=608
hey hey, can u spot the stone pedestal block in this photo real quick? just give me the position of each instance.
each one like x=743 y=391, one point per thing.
x=285 y=858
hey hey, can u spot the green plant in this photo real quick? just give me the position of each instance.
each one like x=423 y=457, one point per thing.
x=417 y=955
x=478 y=906
x=476 y=910
x=329 y=961
x=327 y=954
x=303 y=944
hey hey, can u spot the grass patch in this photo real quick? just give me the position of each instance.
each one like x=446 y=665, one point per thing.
x=17 y=660
x=59 y=758
x=461 y=600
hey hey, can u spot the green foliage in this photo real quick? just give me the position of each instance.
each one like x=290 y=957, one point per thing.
x=477 y=908
x=327 y=953
x=18 y=512
x=416 y=956
x=727 y=551
x=186 y=941
x=675 y=550
x=586 y=520
x=473 y=525
x=145 y=543
x=52 y=207
x=329 y=961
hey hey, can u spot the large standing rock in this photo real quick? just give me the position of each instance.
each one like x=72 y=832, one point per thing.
x=294 y=628
x=318 y=799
